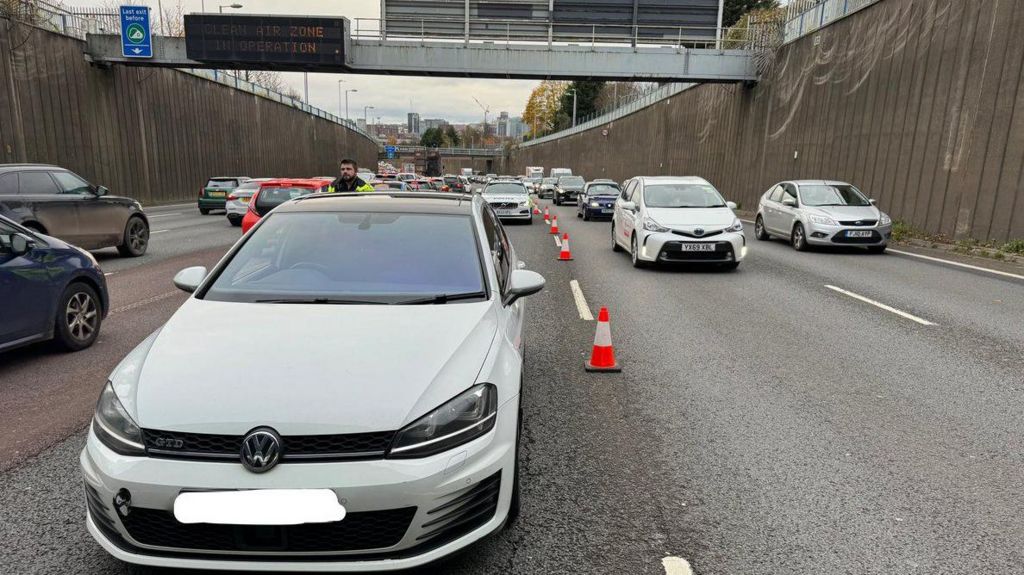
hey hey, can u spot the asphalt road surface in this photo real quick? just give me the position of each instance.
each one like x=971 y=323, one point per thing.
x=774 y=419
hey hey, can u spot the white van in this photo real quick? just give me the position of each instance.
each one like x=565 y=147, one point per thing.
x=559 y=172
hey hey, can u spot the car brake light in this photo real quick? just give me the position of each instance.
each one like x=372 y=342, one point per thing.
x=232 y=197
x=252 y=204
x=201 y=192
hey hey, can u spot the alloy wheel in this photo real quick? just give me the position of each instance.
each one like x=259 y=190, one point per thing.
x=81 y=316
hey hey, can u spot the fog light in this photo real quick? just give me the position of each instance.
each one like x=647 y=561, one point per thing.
x=123 y=502
x=743 y=252
x=818 y=235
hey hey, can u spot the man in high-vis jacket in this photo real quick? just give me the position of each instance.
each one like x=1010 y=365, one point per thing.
x=348 y=181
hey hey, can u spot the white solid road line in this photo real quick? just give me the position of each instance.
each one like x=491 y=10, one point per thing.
x=165 y=215
x=676 y=566
x=581 y=302
x=957 y=264
x=153 y=233
x=880 y=305
x=946 y=262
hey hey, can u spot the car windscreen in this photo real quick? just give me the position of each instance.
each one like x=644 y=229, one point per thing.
x=272 y=196
x=832 y=195
x=549 y=180
x=571 y=181
x=682 y=196
x=505 y=188
x=222 y=184
x=603 y=190
x=359 y=257
x=451 y=180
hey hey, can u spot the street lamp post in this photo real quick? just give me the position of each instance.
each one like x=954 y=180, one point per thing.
x=221 y=8
x=346 y=104
x=365 y=121
x=574 y=108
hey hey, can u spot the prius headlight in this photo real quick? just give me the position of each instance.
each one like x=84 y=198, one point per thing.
x=737 y=226
x=824 y=220
x=653 y=226
x=462 y=419
x=114 y=427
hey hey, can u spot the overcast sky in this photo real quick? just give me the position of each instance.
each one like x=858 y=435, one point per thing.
x=450 y=98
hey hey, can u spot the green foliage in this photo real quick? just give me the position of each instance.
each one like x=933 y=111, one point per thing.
x=1014 y=247
x=735 y=9
x=432 y=138
x=587 y=93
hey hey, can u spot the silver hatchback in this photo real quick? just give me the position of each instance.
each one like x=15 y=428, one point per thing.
x=822 y=213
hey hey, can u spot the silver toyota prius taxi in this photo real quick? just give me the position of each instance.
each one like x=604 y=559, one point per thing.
x=376 y=422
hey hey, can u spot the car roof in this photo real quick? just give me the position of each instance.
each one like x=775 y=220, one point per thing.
x=415 y=202
x=818 y=182
x=674 y=179
x=293 y=182
x=12 y=167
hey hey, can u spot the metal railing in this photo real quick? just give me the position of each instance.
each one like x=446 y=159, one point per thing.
x=805 y=16
x=452 y=151
x=518 y=32
x=77 y=24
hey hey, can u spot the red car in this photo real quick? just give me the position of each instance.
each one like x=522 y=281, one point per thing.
x=273 y=193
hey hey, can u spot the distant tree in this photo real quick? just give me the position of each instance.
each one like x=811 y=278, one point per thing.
x=587 y=93
x=451 y=136
x=472 y=137
x=735 y=9
x=432 y=138
x=542 y=106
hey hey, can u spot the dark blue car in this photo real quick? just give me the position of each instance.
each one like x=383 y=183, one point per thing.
x=48 y=290
x=597 y=200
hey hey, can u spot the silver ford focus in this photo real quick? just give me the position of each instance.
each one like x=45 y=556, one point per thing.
x=375 y=424
x=821 y=213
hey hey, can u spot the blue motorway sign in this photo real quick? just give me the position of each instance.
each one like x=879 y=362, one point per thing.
x=390 y=151
x=136 y=37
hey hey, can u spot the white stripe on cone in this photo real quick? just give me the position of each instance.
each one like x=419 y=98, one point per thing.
x=603 y=334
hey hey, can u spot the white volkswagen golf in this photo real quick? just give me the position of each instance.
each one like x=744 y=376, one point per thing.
x=375 y=422
x=677 y=219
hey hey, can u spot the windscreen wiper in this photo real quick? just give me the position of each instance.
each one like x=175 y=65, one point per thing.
x=323 y=300
x=441 y=298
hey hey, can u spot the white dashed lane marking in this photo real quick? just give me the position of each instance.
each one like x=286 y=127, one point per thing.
x=676 y=566
x=581 y=302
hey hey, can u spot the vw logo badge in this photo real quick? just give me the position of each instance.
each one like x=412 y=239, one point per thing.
x=261 y=450
x=698 y=232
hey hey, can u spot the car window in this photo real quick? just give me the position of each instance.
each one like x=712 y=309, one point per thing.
x=832 y=195
x=505 y=188
x=272 y=196
x=788 y=191
x=603 y=190
x=571 y=181
x=775 y=194
x=633 y=187
x=37 y=183
x=497 y=241
x=71 y=184
x=222 y=184
x=682 y=196
x=368 y=256
x=9 y=184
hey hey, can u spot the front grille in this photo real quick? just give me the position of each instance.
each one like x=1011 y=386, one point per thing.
x=841 y=238
x=358 y=531
x=295 y=448
x=504 y=205
x=673 y=252
x=693 y=235
x=858 y=222
x=464 y=512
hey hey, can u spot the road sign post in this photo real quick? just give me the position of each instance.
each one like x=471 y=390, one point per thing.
x=136 y=35
x=390 y=151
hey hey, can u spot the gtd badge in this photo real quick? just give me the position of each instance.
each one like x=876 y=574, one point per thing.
x=168 y=443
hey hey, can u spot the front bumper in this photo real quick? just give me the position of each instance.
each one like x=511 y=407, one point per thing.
x=668 y=247
x=414 y=492
x=823 y=235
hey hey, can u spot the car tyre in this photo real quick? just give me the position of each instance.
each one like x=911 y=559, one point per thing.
x=204 y=211
x=615 y=242
x=515 y=505
x=759 y=231
x=634 y=253
x=237 y=222
x=79 y=317
x=876 y=249
x=799 y=238
x=136 y=238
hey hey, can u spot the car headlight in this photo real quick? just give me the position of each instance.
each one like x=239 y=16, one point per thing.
x=824 y=220
x=885 y=220
x=114 y=427
x=595 y=205
x=653 y=226
x=737 y=226
x=461 y=420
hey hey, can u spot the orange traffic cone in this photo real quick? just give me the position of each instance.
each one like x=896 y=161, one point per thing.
x=547 y=216
x=602 y=358
x=565 y=255
x=554 y=226
x=536 y=211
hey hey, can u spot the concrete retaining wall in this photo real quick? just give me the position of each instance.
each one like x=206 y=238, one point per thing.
x=152 y=134
x=919 y=103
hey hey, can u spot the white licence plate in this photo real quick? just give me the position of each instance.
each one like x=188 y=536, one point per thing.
x=697 y=247
x=858 y=234
x=507 y=212
x=259 y=507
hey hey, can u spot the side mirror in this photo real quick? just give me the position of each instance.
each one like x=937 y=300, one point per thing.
x=101 y=191
x=189 y=279
x=789 y=202
x=522 y=283
x=628 y=206
x=731 y=205
x=21 y=245
x=873 y=202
